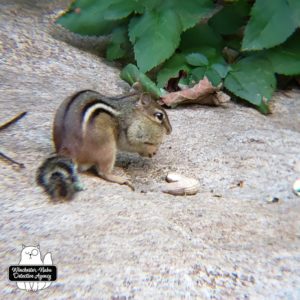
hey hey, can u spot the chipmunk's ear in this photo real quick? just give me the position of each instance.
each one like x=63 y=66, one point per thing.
x=145 y=99
x=38 y=246
x=23 y=246
x=137 y=87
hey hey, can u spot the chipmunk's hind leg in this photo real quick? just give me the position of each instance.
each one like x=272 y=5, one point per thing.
x=117 y=179
x=105 y=164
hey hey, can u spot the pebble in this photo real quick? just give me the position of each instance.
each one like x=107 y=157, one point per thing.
x=297 y=166
x=296 y=187
x=273 y=200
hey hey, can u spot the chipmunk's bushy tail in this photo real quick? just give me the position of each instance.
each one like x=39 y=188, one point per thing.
x=58 y=176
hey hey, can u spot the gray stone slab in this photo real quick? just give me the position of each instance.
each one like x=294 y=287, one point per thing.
x=226 y=242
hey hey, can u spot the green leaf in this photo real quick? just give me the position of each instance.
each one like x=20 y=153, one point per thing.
x=184 y=81
x=286 y=57
x=122 y=9
x=212 y=65
x=213 y=76
x=295 y=8
x=198 y=73
x=132 y=74
x=212 y=55
x=118 y=45
x=264 y=108
x=270 y=24
x=155 y=36
x=221 y=69
x=197 y=59
x=114 y=51
x=86 y=17
x=200 y=36
x=151 y=4
x=171 y=69
x=252 y=79
x=234 y=42
x=231 y=17
x=190 y=12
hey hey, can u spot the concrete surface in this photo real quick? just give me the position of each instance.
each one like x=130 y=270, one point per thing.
x=226 y=242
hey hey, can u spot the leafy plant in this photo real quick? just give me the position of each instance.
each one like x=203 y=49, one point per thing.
x=240 y=43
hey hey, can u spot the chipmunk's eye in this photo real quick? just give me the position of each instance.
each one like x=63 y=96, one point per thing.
x=159 y=116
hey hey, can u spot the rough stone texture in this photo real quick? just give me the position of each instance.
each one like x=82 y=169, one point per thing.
x=111 y=243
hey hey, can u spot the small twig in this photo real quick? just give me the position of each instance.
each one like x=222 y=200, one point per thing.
x=5 y=125
x=12 y=160
x=13 y=120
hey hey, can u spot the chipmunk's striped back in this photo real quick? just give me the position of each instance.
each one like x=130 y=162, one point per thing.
x=92 y=109
x=76 y=113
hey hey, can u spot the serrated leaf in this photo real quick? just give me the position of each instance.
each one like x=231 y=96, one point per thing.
x=197 y=59
x=86 y=17
x=270 y=25
x=155 y=35
x=286 y=57
x=231 y=17
x=122 y=9
x=252 y=79
x=190 y=12
x=118 y=44
x=171 y=69
x=132 y=74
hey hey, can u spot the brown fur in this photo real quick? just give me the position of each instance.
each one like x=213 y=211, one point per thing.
x=131 y=125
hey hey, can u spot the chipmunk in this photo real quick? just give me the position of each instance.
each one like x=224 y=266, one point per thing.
x=90 y=128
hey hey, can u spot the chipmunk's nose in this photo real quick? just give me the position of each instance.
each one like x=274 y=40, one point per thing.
x=151 y=154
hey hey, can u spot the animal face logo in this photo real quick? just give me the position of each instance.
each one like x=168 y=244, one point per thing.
x=31 y=256
x=33 y=267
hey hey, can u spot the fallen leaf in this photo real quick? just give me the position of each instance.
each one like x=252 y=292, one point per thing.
x=202 y=93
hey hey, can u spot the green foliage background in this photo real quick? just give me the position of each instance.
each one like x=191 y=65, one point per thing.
x=242 y=43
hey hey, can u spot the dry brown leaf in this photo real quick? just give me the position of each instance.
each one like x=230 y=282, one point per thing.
x=202 y=93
